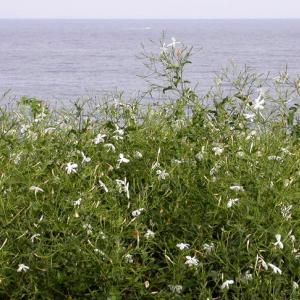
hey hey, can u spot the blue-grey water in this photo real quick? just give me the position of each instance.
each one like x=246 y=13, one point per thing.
x=65 y=59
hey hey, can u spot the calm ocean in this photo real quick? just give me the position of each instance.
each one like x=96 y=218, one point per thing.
x=65 y=59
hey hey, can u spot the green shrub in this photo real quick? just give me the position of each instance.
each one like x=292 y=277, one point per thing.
x=196 y=198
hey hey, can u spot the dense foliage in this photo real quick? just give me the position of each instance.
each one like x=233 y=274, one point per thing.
x=197 y=198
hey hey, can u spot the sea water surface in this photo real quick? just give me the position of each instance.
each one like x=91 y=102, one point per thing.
x=59 y=60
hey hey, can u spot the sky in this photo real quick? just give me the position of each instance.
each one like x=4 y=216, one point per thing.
x=154 y=9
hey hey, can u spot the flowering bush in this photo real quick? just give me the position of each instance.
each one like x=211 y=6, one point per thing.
x=197 y=198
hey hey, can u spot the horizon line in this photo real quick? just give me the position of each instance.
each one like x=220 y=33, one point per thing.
x=153 y=19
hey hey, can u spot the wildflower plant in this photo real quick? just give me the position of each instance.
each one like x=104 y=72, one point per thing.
x=195 y=198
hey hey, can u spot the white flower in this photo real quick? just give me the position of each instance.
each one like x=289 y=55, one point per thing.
x=296 y=253
x=24 y=128
x=89 y=228
x=259 y=103
x=248 y=276
x=237 y=188
x=275 y=269
x=286 y=211
x=123 y=186
x=138 y=155
x=122 y=159
x=49 y=130
x=119 y=131
x=214 y=170
x=287 y=182
x=183 y=246
x=99 y=138
x=102 y=235
x=173 y=44
x=286 y=151
x=249 y=116
x=274 y=157
x=36 y=189
x=164 y=48
x=261 y=262
x=218 y=150
x=292 y=238
x=295 y=285
x=177 y=161
x=209 y=247
x=71 y=168
x=177 y=288
x=16 y=157
x=149 y=234
x=103 y=186
x=128 y=258
x=155 y=165
x=199 y=156
x=250 y=136
x=232 y=202
x=178 y=124
x=137 y=212
x=77 y=202
x=282 y=77
x=240 y=154
x=117 y=104
x=85 y=158
x=118 y=137
x=278 y=243
x=162 y=174
x=259 y=153
x=110 y=147
x=34 y=237
x=226 y=283
x=22 y=268
x=42 y=115
x=191 y=261
x=96 y=250
x=32 y=135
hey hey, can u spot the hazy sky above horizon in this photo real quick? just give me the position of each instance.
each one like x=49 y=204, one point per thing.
x=149 y=9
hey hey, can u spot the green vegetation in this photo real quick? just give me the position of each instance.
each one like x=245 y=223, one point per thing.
x=197 y=198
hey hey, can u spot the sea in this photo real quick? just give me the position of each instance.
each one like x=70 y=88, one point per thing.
x=63 y=60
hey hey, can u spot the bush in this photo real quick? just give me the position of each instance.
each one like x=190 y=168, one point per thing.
x=196 y=198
